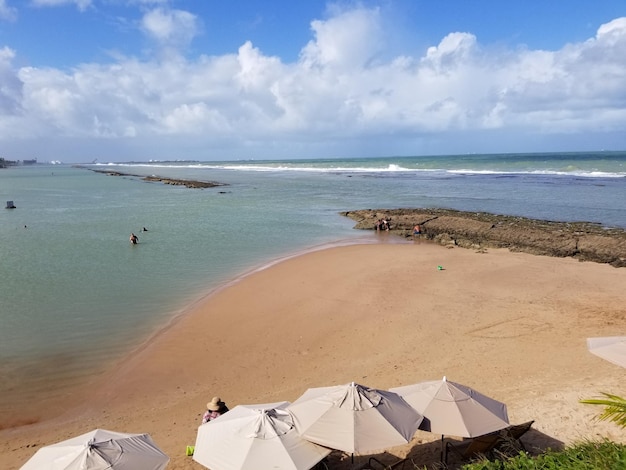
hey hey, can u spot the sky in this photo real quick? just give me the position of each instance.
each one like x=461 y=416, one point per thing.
x=140 y=80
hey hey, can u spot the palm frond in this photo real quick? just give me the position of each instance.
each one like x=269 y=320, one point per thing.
x=614 y=408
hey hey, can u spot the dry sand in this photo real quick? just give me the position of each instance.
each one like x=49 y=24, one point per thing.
x=511 y=325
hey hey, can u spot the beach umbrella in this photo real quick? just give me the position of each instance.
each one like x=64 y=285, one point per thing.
x=255 y=437
x=354 y=418
x=100 y=450
x=610 y=348
x=454 y=409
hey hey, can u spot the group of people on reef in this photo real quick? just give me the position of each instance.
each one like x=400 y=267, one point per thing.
x=214 y=409
x=382 y=224
x=385 y=224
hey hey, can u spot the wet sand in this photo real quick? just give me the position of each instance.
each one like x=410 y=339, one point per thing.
x=511 y=325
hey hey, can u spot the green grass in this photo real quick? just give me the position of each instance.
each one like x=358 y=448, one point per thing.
x=602 y=455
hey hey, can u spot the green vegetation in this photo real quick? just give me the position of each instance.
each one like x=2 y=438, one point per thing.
x=603 y=455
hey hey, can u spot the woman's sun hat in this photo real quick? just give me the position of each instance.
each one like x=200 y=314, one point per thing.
x=215 y=404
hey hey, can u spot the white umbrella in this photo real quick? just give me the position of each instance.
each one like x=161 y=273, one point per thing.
x=255 y=437
x=452 y=408
x=455 y=409
x=354 y=418
x=610 y=348
x=100 y=450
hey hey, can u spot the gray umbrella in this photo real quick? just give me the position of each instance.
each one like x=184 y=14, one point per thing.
x=100 y=450
x=454 y=409
x=255 y=437
x=354 y=418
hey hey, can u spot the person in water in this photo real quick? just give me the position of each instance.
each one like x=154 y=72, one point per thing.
x=134 y=238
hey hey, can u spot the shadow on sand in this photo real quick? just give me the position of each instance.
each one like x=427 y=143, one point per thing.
x=426 y=455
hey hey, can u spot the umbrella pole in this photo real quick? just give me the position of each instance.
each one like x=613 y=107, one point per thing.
x=441 y=456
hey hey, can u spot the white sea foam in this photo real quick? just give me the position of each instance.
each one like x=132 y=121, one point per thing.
x=576 y=173
x=381 y=169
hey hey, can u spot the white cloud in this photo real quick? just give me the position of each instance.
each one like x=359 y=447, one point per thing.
x=613 y=31
x=170 y=28
x=150 y=2
x=453 y=49
x=6 y=12
x=579 y=88
x=10 y=85
x=82 y=5
x=351 y=39
x=339 y=94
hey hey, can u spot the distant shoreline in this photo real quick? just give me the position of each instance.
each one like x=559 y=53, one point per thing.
x=584 y=241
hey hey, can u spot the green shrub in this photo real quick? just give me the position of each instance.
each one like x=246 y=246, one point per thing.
x=602 y=455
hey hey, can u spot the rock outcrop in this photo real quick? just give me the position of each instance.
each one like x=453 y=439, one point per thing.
x=478 y=230
x=159 y=179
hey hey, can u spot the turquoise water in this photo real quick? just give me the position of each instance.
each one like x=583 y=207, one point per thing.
x=75 y=294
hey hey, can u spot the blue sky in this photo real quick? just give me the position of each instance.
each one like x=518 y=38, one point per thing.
x=123 y=80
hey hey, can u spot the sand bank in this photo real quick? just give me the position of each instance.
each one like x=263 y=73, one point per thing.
x=511 y=325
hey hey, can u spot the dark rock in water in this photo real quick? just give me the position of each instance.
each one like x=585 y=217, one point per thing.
x=479 y=230
x=186 y=183
x=158 y=179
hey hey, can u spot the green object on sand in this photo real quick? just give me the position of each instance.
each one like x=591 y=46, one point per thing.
x=190 y=450
x=440 y=268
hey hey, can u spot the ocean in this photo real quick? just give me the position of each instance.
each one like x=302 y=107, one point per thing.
x=75 y=295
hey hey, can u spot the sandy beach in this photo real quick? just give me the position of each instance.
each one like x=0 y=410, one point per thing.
x=511 y=325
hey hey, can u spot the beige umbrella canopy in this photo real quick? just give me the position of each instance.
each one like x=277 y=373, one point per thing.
x=610 y=348
x=255 y=437
x=100 y=450
x=454 y=409
x=354 y=418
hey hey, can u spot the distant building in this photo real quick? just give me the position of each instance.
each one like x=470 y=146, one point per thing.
x=6 y=163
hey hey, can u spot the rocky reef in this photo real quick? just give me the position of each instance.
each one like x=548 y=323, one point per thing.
x=478 y=230
x=187 y=183
x=159 y=179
